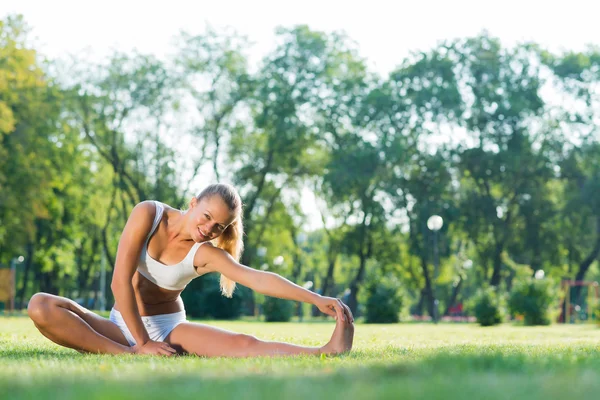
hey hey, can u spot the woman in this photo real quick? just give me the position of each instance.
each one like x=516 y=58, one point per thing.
x=160 y=251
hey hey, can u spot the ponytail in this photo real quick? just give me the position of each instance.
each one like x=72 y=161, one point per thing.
x=231 y=241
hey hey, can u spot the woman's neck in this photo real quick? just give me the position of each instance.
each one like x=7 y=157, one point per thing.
x=177 y=222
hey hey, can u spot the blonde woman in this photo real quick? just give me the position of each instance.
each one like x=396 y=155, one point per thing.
x=160 y=251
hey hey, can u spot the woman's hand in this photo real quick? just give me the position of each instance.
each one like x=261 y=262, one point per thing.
x=154 y=348
x=334 y=307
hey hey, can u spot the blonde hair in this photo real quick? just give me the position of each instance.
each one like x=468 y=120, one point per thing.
x=231 y=240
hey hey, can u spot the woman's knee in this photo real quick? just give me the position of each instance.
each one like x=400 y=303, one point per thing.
x=40 y=307
x=245 y=341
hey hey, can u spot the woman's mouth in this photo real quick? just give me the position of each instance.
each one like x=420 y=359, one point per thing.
x=202 y=235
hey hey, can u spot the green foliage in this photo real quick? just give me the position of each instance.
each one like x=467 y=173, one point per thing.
x=80 y=146
x=535 y=300
x=203 y=299
x=277 y=310
x=384 y=301
x=488 y=306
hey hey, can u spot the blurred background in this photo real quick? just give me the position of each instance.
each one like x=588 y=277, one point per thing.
x=424 y=160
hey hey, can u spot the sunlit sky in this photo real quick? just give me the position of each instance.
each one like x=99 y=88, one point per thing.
x=385 y=30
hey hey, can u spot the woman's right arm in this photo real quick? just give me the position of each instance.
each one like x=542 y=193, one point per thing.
x=130 y=245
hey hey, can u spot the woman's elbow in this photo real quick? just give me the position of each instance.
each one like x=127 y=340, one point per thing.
x=118 y=285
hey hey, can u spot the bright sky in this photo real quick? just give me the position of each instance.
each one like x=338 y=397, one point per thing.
x=385 y=30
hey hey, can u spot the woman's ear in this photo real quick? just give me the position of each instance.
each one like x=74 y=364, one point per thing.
x=193 y=202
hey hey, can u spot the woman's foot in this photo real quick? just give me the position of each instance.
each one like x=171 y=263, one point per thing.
x=341 y=340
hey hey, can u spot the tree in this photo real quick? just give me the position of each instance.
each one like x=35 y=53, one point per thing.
x=500 y=90
x=576 y=75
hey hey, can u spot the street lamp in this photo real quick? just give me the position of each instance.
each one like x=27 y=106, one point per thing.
x=278 y=261
x=13 y=273
x=435 y=223
x=468 y=264
x=539 y=274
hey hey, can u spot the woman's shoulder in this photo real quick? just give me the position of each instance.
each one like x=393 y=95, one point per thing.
x=207 y=252
x=152 y=206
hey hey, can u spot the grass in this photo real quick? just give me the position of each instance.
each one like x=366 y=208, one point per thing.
x=460 y=361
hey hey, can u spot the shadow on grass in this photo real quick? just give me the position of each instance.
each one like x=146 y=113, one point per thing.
x=35 y=353
x=442 y=377
x=467 y=356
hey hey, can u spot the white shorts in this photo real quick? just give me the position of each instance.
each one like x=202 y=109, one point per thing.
x=157 y=326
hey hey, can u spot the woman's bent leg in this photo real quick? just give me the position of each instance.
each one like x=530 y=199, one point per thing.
x=208 y=341
x=68 y=324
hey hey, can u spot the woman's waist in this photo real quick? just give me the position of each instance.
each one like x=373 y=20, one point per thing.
x=156 y=308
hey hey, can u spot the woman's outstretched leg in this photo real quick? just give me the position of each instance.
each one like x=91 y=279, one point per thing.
x=68 y=324
x=208 y=341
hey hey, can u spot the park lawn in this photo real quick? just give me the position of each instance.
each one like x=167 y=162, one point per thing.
x=399 y=361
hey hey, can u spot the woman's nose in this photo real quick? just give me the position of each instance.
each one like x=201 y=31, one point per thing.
x=209 y=228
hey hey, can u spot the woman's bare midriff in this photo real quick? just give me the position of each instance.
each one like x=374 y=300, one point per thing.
x=154 y=300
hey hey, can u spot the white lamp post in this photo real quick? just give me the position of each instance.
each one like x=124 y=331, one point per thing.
x=13 y=268
x=435 y=223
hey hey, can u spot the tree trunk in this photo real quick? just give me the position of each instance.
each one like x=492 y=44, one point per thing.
x=364 y=256
x=296 y=267
x=455 y=292
x=354 y=285
x=495 y=281
x=419 y=308
x=23 y=289
x=428 y=290
x=85 y=273
x=327 y=282
x=584 y=266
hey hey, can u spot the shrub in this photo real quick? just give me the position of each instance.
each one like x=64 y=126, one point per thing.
x=277 y=310
x=533 y=299
x=488 y=306
x=203 y=299
x=384 y=302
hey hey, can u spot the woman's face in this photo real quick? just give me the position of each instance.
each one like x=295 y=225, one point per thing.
x=209 y=218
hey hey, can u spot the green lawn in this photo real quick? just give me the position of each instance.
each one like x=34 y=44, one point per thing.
x=398 y=361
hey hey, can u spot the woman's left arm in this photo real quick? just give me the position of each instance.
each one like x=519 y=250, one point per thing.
x=268 y=283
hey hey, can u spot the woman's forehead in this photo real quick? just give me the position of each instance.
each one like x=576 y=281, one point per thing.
x=218 y=209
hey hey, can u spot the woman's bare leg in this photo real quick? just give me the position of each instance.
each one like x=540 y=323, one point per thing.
x=208 y=341
x=68 y=324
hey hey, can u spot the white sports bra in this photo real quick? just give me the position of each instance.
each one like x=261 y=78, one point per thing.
x=171 y=277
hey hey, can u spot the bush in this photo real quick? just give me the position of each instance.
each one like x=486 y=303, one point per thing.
x=203 y=299
x=384 y=302
x=488 y=307
x=277 y=310
x=533 y=299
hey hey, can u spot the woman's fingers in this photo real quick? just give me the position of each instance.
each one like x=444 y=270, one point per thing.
x=331 y=311
x=168 y=348
x=347 y=311
x=165 y=352
x=346 y=314
x=340 y=306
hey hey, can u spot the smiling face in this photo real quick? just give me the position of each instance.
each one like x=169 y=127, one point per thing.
x=208 y=218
